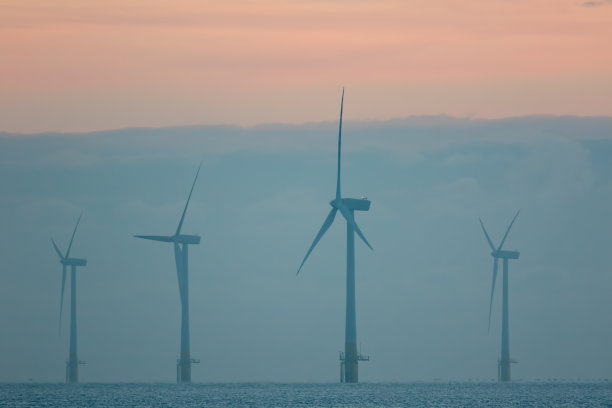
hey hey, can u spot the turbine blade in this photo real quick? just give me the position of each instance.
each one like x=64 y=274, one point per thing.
x=348 y=216
x=339 y=146
x=487 y=235
x=178 y=230
x=328 y=221
x=492 y=290
x=508 y=230
x=161 y=238
x=62 y=296
x=178 y=258
x=73 y=232
x=57 y=249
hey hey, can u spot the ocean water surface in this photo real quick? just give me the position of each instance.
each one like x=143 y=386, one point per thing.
x=308 y=395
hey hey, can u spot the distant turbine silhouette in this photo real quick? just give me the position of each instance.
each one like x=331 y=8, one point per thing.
x=503 y=369
x=181 y=242
x=347 y=207
x=72 y=365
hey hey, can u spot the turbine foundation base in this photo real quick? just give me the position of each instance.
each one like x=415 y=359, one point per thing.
x=351 y=370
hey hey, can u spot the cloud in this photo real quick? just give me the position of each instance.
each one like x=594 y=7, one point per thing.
x=460 y=159
x=34 y=207
x=596 y=3
x=456 y=197
x=551 y=172
x=407 y=139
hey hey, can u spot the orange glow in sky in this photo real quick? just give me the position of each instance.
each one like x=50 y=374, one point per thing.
x=76 y=66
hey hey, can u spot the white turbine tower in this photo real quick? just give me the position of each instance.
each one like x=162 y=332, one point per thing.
x=503 y=366
x=181 y=244
x=347 y=207
x=72 y=365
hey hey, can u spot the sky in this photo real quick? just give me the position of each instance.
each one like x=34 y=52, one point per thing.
x=262 y=194
x=67 y=66
x=453 y=111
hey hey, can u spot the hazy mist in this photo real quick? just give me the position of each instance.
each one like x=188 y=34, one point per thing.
x=262 y=194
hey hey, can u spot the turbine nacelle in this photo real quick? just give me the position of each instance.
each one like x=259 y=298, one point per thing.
x=355 y=204
x=505 y=254
x=187 y=239
x=73 y=261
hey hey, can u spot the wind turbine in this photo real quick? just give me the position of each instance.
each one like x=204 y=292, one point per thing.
x=181 y=244
x=347 y=207
x=505 y=361
x=72 y=365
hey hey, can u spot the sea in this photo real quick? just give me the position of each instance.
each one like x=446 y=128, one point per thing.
x=519 y=394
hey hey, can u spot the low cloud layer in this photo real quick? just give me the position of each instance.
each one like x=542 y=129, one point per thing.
x=263 y=192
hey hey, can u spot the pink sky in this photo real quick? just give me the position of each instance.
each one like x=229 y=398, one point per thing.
x=75 y=66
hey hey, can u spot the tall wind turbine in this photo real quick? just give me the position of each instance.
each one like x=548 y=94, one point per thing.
x=72 y=365
x=347 y=207
x=181 y=244
x=503 y=368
